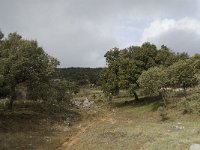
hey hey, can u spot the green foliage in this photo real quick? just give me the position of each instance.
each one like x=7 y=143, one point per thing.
x=182 y=74
x=4 y=88
x=23 y=61
x=126 y=65
x=165 y=57
x=146 y=67
x=196 y=62
x=162 y=113
x=182 y=56
x=56 y=91
x=110 y=77
x=110 y=82
x=82 y=76
x=146 y=55
x=153 y=81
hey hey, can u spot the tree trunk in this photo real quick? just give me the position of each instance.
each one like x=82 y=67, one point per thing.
x=163 y=98
x=10 y=105
x=12 y=98
x=136 y=96
x=186 y=104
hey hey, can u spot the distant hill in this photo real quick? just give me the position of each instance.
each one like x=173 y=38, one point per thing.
x=82 y=76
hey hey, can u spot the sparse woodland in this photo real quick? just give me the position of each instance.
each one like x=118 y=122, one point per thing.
x=150 y=71
x=135 y=78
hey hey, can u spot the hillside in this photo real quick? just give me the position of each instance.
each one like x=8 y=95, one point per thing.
x=82 y=76
x=138 y=126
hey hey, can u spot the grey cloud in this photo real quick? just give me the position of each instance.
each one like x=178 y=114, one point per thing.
x=179 y=40
x=79 y=32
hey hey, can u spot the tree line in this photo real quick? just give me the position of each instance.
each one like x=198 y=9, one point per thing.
x=150 y=69
x=81 y=76
x=25 y=64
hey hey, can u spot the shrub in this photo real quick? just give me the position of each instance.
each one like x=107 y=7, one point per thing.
x=162 y=113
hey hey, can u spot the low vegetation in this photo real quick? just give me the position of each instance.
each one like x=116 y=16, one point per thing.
x=142 y=125
x=146 y=98
x=82 y=76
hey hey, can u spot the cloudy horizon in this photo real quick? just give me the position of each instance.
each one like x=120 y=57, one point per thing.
x=79 y=33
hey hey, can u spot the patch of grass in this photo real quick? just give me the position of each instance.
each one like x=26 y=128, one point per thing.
x=121 y=125
x=35 y=125
x=138 y=126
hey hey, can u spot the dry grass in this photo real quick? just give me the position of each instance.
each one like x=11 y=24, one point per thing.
x=134 y=128
x=122 y=126
x=138 y=127
x=30 y=126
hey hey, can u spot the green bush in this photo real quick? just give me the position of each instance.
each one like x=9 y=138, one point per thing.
x=162 y=113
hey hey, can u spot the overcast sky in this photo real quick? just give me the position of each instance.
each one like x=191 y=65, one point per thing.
x=79 y=32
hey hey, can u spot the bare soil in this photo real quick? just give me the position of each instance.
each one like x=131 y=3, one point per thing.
x=25 y=129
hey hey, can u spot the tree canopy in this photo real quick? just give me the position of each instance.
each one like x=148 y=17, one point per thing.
x=23 y=62
x=125 y=66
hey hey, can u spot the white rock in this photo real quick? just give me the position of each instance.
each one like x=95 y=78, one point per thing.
x=87 y=103
x=195 y=147
x=179 y=127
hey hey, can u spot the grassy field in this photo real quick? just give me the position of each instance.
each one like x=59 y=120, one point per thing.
x=137 y=127
x=120 y=125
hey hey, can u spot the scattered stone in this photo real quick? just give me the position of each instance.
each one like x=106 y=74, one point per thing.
x=67 y=123
x=83 y=103
x=194 y=132
x=195 y=147
x=48 y=139
x=77 y=103
x=168 y=130
x=87 y=103
x=179 y=127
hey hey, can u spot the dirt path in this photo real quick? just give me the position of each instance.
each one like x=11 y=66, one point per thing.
x=73 y=139
x=82 y=128
x=134 y=128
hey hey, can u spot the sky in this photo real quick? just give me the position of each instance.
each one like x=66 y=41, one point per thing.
x=79 y=32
